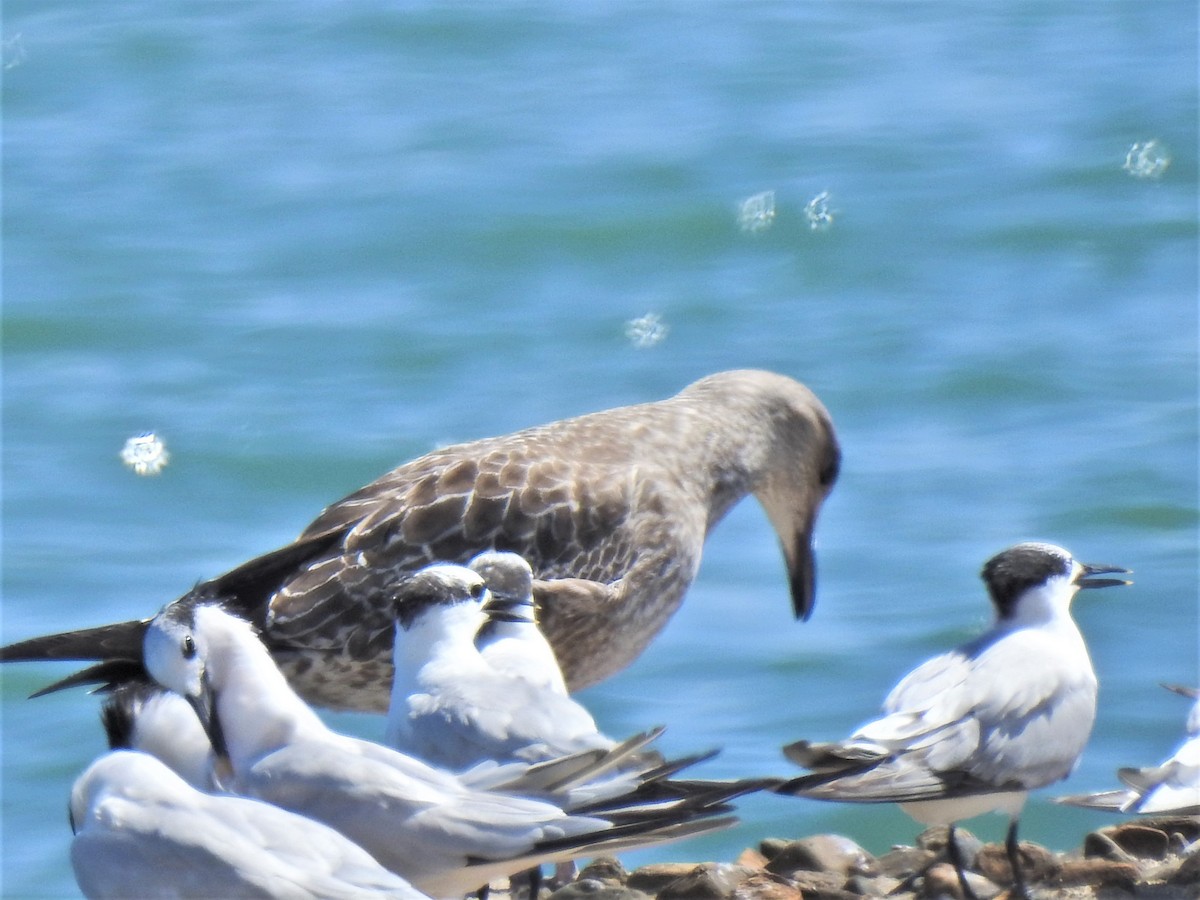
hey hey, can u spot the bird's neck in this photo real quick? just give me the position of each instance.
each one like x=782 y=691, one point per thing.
x=508 y=630
x=1043 y=607
x=437 y=645
x=446 y=633
x=735 y=467
x=258 y=709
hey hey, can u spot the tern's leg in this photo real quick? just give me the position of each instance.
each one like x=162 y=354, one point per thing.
x=1020 y=889
x=527 y=883
x=955 y=854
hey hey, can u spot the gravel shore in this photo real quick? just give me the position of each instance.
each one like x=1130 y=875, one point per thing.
x=1146 y=858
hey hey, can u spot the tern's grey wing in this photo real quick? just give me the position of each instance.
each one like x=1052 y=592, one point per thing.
x=144 y=832
x=310 y=854
x=121 y=864
x=934 y=689
x=499 y=718
x=1009 y=709
x=1034 y=697
x=414 y=826
x=444 y=735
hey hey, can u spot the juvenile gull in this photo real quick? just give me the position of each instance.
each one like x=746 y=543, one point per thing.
x=610 y=509
x=974 y=730
x=431 y=827
x=142 y=831
x=1172 y=788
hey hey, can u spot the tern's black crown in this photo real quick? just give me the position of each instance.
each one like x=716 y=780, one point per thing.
x=1011 y=573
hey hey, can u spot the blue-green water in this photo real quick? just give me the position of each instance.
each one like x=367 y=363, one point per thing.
x=308 y=241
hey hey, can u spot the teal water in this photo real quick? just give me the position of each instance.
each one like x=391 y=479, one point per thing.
x=308 y=241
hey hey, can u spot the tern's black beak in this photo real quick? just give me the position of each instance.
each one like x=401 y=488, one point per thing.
x=802 y=574
x=506 y=614
x=206 y=712
x=502 y=609
x=1085 y=579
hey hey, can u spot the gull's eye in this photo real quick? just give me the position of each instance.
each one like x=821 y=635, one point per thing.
x=477 y=590
x=189 y=647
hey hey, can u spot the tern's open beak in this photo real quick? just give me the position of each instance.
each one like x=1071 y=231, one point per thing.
x=1084 y=579
x=206 y=712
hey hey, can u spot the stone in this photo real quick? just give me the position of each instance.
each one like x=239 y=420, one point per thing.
x=711 y=881
x=821 y=885
x=1099 y=845
x=606 y=869
x=934 y=839
x=654 y=878
x=1037 y=863
x=770 y=847
x=591 y=889
x=901 y=862
x=1095 y=873
x=751 y=859
x=1186 y=826
x=873 y=885
x=1188 y=872
x=1140 y=841
x=942 y=881
x=822 y=853
x=765 y=886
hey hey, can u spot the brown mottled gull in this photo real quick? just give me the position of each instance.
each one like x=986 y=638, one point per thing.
x=610 y=509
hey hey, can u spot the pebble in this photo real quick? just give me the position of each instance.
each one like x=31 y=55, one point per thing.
x=942 y=881
x=1037 y=863
x=591 y=889
x=712 y=881
x=822 y=853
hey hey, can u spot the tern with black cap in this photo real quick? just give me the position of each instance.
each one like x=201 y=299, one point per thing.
x=976 y=729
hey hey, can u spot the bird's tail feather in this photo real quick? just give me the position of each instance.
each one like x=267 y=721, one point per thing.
x=834 y=757
x=1110 y=801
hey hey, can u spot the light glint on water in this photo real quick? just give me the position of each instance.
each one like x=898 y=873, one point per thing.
x=145 y=454
x=756 y=213
x=1147 y=159
x=646 y=331
x=818 y=213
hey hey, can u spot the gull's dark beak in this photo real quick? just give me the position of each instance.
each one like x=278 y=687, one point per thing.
x=802 y=574
x=1084 y=579
x=206 y=712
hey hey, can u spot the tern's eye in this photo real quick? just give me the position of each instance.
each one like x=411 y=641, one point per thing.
x=477 y=591
x=189 y=647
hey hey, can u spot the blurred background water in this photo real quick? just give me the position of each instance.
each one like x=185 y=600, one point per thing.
x=305 y=242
